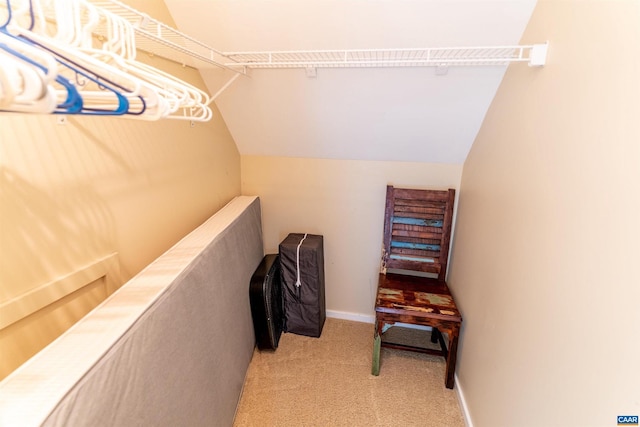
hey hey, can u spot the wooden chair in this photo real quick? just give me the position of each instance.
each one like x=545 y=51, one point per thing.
x=417 y=230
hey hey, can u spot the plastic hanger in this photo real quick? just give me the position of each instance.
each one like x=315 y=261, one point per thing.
x=158 y=102
x=103 y=101
x=24 y=81
x=110 y=80
x=73 y=13
x=30 y=89
x=191 y=102
x=115 y=50
x=7 y=71
x=28 y=92
x=72 y=101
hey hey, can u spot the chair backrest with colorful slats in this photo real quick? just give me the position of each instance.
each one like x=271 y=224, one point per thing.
x=417 y=230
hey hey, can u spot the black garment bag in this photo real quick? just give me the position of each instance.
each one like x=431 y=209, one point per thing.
x=302 y=266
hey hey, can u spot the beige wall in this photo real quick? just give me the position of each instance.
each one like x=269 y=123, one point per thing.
x=74 y=197
x=344 y=201
x=544 y=263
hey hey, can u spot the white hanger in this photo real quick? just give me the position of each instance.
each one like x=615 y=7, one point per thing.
x=193 y=101
x=83 y=17
x=26 y=91
x=29 y=87
x=120 y=50
x=7 y=77
x=93 y=96
x=72 y=37
x=157 y=105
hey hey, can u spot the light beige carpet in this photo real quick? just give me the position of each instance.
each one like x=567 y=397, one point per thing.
x=327 y=381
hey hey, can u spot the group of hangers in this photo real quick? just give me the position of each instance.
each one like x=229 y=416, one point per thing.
x=50 y=62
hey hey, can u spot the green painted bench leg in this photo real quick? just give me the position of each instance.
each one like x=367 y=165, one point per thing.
x=375 y=365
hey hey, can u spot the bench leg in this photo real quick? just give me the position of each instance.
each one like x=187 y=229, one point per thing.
x=434 y=334
x=377 y=343
x=451 y=359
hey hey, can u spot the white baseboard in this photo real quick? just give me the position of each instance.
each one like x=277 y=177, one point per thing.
x=368 y=318
x=356 y=317
x=463 y=403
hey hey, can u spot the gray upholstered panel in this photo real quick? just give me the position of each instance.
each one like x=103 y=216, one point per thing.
x=170 y=348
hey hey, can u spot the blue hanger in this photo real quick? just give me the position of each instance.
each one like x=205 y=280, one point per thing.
x=73 y=103
x=123 y=102
x=101 y=82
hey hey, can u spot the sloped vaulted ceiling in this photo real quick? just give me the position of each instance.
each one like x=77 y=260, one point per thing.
x=402 y=114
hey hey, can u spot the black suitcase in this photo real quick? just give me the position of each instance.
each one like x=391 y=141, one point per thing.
x=302 y=260
x=265 y=296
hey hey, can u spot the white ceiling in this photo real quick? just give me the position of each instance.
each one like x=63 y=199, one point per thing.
x=404 y=114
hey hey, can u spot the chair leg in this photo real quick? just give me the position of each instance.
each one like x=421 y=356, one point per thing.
x=451 y=360
x=377 y=343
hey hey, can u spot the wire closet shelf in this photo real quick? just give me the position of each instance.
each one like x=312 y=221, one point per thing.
x=438 y=57
x=159 y=39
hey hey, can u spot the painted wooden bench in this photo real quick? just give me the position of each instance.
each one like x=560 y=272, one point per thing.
x=412 y=287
